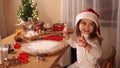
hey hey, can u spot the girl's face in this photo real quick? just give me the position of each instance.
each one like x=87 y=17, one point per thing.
x=86 y=26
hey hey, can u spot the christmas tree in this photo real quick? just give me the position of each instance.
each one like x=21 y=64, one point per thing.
x=27 y=10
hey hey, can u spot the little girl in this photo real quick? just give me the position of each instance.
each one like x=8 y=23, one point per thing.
x=86 y=40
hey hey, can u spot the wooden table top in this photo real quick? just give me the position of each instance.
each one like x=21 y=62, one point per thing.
x=33 y=63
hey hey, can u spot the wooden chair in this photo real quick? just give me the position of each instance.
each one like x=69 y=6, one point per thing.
x=108 y=63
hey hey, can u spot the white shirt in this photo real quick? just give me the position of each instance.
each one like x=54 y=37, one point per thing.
x=87 y=59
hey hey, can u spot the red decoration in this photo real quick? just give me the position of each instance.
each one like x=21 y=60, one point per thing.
x=17 y=45
x=58 y=27
x=38 y=26
x=56 y=38
x=23 y=57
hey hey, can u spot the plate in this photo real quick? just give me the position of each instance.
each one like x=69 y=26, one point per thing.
x=48 y=47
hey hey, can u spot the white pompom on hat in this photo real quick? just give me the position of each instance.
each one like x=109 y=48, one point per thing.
x=91 y=15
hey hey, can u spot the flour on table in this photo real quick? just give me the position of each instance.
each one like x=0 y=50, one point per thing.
x=43 y=45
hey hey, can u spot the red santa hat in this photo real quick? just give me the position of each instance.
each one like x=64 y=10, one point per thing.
x=89 y=14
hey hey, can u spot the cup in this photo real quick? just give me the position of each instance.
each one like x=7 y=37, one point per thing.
x=4 y=52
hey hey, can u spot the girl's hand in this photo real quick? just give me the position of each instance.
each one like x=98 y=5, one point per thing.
x=82 y=41
x=65 y=32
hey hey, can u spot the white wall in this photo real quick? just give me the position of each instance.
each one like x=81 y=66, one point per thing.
x=49 y=11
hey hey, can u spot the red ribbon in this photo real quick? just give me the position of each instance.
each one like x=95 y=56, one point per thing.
x=23 y=57
x=56 y=38
x=17 y=45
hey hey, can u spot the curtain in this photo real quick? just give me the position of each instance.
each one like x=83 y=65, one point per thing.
x=109 y=12
x=117 y=59
x=70 y=8
x=2 y=21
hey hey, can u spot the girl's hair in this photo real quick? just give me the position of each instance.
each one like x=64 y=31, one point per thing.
x=91 y=36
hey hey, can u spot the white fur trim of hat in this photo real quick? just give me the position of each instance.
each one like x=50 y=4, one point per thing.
x=88 y=14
